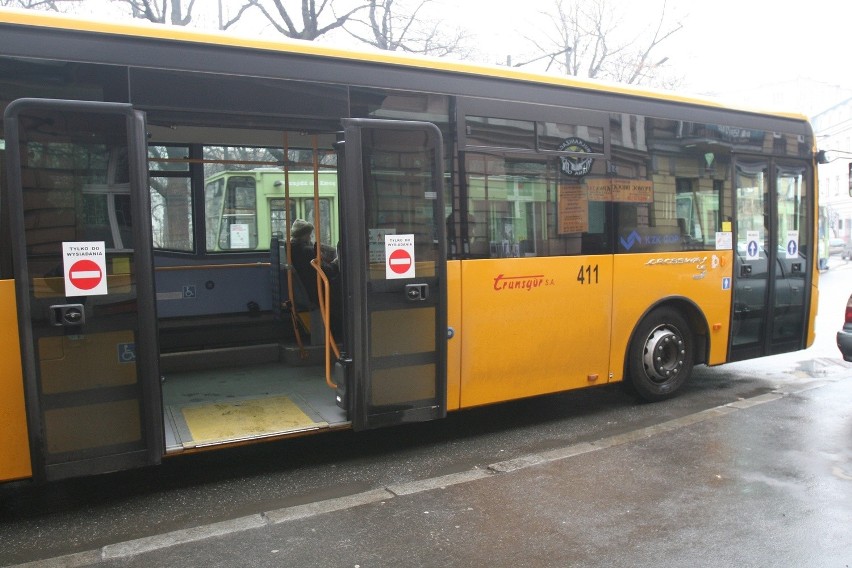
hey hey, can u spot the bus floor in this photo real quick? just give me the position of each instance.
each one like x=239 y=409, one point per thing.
x=227 y=405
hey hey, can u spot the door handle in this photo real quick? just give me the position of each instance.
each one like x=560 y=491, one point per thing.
x=417 y=292
x=67 y=315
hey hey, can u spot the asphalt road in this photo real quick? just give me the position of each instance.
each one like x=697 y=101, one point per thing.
x=759 y=482
x=88 y=516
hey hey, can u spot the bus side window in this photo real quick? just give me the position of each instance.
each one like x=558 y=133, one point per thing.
x=238 y=229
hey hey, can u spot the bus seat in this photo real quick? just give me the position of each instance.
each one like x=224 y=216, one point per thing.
x=280 y=268
x=302 y=302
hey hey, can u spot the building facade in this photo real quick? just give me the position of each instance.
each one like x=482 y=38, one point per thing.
x=833 y=128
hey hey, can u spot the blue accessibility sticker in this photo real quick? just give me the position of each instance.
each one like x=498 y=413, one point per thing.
x=126 y=352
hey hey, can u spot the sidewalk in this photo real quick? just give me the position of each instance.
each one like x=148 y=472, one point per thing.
x=766 y=481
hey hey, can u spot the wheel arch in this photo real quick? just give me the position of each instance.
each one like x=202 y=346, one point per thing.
x=693 y=315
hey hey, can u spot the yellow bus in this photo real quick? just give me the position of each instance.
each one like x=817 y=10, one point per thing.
x=500 y=235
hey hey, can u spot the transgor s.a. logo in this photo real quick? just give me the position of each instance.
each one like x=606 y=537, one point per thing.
x=575 y=166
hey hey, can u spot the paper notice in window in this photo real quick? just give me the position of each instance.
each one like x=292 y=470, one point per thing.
x=573 y=209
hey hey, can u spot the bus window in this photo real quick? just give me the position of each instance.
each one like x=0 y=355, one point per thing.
x=305 y=210
x=698 y=211
x=688 y=190
x=792 y=192
x=171 y=198
x=325 y=231
x=171 y=213
x=527 y=206
x=238 y=230
x=218 y=159
x=752 y=190
x=106 y=199
x=106 y=217
x=214 y=196
x=556 y=137
x=499 y=132
x=278 y=216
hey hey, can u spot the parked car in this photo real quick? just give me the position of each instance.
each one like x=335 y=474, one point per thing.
x=844 y=336
x=846 y=253
x=835 y=246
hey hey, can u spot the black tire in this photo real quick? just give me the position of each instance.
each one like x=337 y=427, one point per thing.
x=661 y=355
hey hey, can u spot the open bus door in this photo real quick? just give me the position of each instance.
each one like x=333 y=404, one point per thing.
x=79 y=211
x=394 y=270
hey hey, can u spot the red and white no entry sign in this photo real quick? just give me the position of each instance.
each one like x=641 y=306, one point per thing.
x=399 y=261
x=84 y=264
x=399 y=255
x=85 y=274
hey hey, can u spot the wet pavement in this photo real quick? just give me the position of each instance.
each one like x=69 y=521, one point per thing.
x=764 y=481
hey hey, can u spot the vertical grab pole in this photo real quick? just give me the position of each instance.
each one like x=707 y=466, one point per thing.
x=323 y=286
x=288 y=248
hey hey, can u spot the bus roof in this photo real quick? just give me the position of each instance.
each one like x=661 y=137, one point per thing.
x=146 y=30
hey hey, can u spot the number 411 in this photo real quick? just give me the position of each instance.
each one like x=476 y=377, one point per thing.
x=588 y=274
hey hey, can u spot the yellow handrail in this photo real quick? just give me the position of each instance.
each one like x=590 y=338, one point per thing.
x=324 y=293
x=323 y=286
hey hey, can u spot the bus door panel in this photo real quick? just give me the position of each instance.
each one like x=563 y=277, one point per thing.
x=79 y=201
x=771 y=264
x=793 y=247
x=394 y=272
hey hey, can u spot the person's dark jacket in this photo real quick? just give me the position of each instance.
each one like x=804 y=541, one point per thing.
x=301 y=255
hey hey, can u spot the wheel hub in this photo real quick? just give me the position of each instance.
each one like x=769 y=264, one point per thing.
x=664 y=353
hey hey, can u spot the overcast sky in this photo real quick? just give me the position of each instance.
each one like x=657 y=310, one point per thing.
x=725 y=48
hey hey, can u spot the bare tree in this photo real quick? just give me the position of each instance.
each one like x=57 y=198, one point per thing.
x=400 y=25
x=586 y=39
x=161 y=11
x=636 y=64
x=47 y=5
x=225 y=22
x=311 y=20
x=183 y=12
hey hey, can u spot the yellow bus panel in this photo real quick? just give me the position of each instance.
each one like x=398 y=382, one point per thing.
x=90 y=426
x=14 y=443
x=532 y=326
x=644 y=280
x=812 y=311
x=72 y=363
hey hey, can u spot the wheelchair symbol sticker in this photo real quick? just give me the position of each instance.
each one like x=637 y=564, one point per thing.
x=126 y=352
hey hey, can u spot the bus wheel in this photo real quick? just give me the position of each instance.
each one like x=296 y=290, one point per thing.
x=660 y=357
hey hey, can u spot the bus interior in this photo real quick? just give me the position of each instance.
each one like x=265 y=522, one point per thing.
x=235 y=365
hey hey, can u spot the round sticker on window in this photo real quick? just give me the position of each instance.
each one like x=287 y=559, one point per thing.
x=575 y=166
